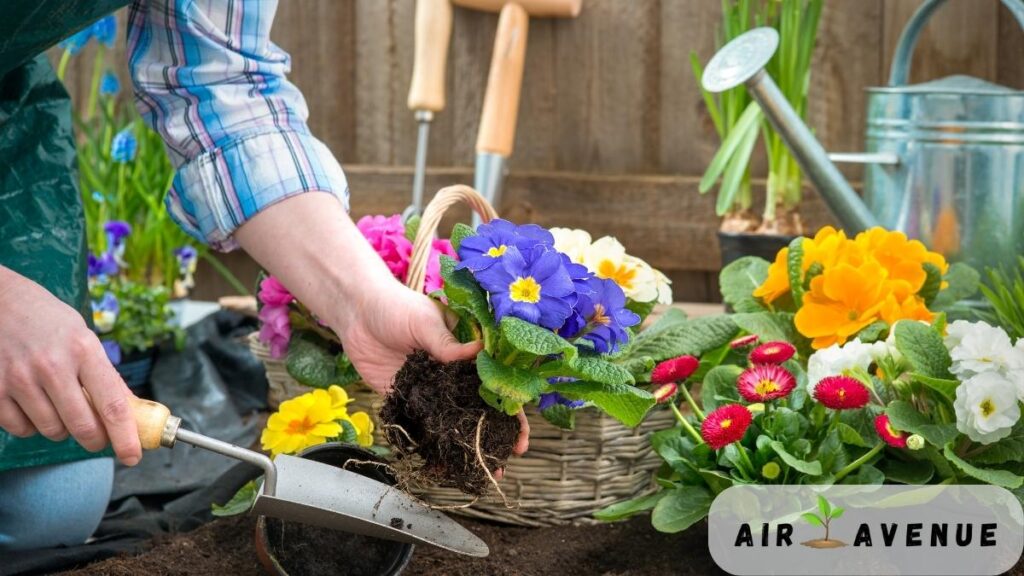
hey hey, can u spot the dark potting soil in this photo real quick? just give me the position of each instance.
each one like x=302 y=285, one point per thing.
x=434 y=410
x=313 y=551
x=631 y=548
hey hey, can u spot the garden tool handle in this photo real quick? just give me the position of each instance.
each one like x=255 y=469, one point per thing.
x=535 y=8
x=432 y=214
x=901 y=60
x=157 y=428
x=432 y=35
x=504 y=82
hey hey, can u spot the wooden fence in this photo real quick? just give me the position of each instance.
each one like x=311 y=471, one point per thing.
x=613 y=135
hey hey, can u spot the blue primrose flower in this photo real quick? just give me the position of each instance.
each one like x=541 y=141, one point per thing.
x=551 y=399
x=532 y=286
x=124 y=145
x=492 y=240
x=110 y=85
x=601 y=317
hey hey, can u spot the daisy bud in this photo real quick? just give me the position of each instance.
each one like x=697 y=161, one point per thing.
x=892 y=436
x=915 y=442
x=770 y=471
x=674 y=370
x=772 y=353
x=744 y=342
x=665 y=392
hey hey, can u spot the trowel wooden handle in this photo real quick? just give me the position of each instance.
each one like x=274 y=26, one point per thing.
x=150 y=417
x=504 y=82
x=433 y=32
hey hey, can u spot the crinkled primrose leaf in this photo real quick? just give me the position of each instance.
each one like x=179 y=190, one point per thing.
x=510 y=387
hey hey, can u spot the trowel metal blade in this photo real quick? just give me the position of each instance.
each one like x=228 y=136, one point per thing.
x=314 y=493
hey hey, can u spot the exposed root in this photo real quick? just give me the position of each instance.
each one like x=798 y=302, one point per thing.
x=483 y=464
x=413 y=444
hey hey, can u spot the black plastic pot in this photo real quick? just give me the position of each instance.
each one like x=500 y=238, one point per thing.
x=136 y=368
x=394 y=556
x=735 y=246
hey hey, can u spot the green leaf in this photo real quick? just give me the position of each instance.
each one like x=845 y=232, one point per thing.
x=560 y=416
x=346 y=372
x=515 y=385
x=240 y=503
x=850 y=436
x=736 y=169
x=459 y=233
x=465 y=295
x=767 y=325
x=748 y=122
x=1009 y=449
x=923 y=348
x=499 y=403
x=534 y=339
x=838 y=513
x=719 y=387
x=794 y=267
x=310 y=363
x=412 y=227
x=641 y=309
x=627 y=508
x=739 y=279
x=963 y=283
x=812 y=519
x=595 y=369
x=627 y=404
x=1002 y=478
x=932 y=283
x=903 y=416
x=694 y=337
x=873 y=332
x=672 y=318
x=349 y=434
x=716 y=480
x=824 y=506
x=809 y=468
x=944 y=386
x=787 y=425
x=681 y=508
x=913 y=472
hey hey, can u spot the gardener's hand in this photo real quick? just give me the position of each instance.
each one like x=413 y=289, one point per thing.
x=47 y=357
x=310 y=244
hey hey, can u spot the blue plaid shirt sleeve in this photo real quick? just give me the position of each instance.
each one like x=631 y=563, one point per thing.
x=210 y=81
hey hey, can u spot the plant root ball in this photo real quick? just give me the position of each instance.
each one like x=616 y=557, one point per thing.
x=433 y=412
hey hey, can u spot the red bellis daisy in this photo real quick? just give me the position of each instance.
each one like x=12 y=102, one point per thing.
x=725 y=425
x=763 y=382
x=772 y=353
x=674 y=370
x=841 y=393
x=744 y=342
x=892 y=436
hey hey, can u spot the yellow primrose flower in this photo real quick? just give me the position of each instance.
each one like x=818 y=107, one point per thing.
x=363 y=424
x=339 y=402
x=301 y=422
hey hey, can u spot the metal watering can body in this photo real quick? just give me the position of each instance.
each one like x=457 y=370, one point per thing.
x=944 y=161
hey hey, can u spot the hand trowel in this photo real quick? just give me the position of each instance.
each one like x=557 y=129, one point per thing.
x=299 y=490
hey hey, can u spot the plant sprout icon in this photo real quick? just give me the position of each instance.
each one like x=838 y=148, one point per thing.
x=828 y=514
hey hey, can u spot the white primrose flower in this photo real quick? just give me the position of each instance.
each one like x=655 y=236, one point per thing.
x=838 y=360
x=607 y=258
x=986 y=407
x=979 y=347
x=665 y=289
x=572 y=243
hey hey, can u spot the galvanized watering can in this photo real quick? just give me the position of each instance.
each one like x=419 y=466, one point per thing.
x=944 y=161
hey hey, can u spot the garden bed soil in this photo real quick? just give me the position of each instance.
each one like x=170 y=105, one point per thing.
x=632 y=548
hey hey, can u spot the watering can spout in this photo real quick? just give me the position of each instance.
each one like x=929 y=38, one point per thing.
x=742 y=62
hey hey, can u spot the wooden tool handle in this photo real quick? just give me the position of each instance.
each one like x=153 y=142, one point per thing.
x=535 y=8
x=501 y=100
x=151 y=418
x=433 y=31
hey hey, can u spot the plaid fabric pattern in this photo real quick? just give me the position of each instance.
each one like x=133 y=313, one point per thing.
x=210 y=81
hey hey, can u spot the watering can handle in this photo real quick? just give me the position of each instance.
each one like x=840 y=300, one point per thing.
x=900 y=72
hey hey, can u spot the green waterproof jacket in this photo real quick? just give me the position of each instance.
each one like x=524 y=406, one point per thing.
x=41 y=220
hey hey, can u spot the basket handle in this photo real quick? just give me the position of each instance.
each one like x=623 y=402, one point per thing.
x=431 y=219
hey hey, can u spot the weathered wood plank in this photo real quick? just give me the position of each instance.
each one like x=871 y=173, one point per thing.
x=1009 y=71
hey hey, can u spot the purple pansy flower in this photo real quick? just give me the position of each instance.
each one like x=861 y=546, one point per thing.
x=601 y=317
x=554 y=398
x=113 y=350
x=492 y=240
x=104 y=313
x=186 y=256
x=117 y=231
x=104 y=265
x=534 y=286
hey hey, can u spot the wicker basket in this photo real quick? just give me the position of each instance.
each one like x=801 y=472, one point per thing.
x=566 y=475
